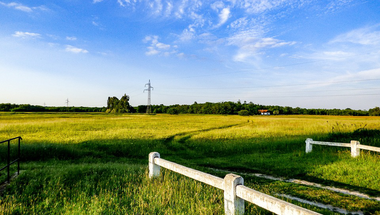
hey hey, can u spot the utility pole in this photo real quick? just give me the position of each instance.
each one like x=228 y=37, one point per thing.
x=149 y=90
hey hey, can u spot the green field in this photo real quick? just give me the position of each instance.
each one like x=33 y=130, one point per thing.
x=96 y=163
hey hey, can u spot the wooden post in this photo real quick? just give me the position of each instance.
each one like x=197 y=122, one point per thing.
x=233 y=205
x=154 y=169
x=355 y=150
x=309 y=146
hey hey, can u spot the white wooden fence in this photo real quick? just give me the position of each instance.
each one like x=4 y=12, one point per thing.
x=354 y=145
x=234 y=190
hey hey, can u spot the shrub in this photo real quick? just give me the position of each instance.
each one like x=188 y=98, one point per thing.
x=172 y=111
x=374 y=111
x=243 y=113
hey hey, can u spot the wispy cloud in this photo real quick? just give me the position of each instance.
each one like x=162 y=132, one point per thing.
x=188 y=33
x=156 y=6
x=121 y=3
x=17 y=6
x=250 y=43
x=245 y=25
x=353 y=77
x=169 y=9
x=223 y=16
x=71 y=38
x=157 y=48
x=336 y=5
x=165 y=8
x=22 y=7
x=76 y=50
x=355 y=47
x=26 y=35
x=259 y=6
x=363 y=36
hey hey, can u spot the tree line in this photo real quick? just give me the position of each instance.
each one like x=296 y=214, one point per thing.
x=234 y=108
x=115 y=105
x=38 y=108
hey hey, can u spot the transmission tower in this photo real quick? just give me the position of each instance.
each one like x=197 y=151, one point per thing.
x=149 y=91
x=67 y=103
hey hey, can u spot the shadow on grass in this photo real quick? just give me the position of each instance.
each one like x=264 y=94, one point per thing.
x=278 y=157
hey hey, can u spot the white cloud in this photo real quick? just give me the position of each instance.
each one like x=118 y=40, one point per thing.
x=352 y=77
x=363 y=36
x=354 y=49
x=22 y=7
x=239 y=23
x=75 y=49
x=250 y=43
x=96 y=1
x=156 y=6
x=157 y=47
x=152 y=51
x=217 y=5
x=181 y=55
x=162 y=46
x=336 y=55
x=121 y=3
x=259 y=6
x=169 y=9
x=336 y=4
x=71 y=38
x=17 y=6
x=166 y=8
x=26 y=35
x=188 y=33
x=223 y=16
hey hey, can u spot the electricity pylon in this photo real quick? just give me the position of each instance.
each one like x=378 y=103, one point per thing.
x=149 y=92
x=67 y=103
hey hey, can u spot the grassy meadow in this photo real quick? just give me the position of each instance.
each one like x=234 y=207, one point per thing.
x=96 y=163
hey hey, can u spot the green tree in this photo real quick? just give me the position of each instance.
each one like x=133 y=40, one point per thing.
x=114 y=105
x=243 y=113
x=374 y=111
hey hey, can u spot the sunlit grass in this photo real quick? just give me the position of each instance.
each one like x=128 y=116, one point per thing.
x=98 y=161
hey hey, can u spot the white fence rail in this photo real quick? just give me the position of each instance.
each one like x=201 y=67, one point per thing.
x=234 y=190
x=354 y=145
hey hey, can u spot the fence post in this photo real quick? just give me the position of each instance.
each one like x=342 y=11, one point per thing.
x=9 y=160
x=233 y=205
x=309 y=146
x=154 y=170
x=355 y=150
x=18 y=156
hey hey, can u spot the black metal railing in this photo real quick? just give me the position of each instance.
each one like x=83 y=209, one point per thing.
x=9 y=162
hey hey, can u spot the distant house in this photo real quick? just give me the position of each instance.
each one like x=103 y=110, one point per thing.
x=264 y=112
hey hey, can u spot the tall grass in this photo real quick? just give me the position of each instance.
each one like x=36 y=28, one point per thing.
x=96 y=163
x=109 y=189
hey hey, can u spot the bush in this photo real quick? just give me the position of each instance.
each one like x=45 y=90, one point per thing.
x=172 y=111
x=243 y=113
x=374 y=111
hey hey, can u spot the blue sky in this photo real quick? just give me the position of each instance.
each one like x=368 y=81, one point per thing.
x=298 y=53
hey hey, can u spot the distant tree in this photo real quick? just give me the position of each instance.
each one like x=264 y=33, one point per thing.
x=374 y=111
x=243 y=113
x=123 y=106
x=141 y=109
x=172 y=111
x=114 y=105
